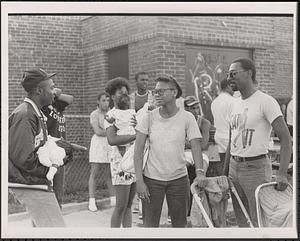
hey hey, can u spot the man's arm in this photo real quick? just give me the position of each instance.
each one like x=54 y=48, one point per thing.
x=22 y=150
x=205 y=126
x=281 y=130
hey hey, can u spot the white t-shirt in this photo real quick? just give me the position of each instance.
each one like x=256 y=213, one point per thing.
x=221 y=108
x=250 y=124
x=289 y=113
x=166 y=160
x=122 y=121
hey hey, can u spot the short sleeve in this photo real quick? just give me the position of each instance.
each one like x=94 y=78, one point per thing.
x=143 y=125
x=193 y=130
x=271 y=109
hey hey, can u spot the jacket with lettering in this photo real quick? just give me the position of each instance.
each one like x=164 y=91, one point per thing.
x=27 y=132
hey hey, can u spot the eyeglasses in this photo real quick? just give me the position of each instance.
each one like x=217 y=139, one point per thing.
x=160 y=91
x=234 y=73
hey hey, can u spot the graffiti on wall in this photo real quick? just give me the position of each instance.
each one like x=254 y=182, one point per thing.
x=205 y=75
x=205 y=68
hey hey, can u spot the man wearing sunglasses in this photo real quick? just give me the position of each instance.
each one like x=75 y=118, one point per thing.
x=253 y=117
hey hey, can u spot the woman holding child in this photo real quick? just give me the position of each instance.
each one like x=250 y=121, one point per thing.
x=124 y=183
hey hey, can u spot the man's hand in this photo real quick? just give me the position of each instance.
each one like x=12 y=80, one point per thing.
x=66 y=145
x=142 y=191
x=282 y=182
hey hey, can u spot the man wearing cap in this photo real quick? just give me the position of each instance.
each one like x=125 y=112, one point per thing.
x=27 y=133
x=253 y=116
x=221 y=108
x=56 y=126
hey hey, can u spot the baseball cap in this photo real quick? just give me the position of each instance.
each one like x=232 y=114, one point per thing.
x=31 y=78
x=190 y=101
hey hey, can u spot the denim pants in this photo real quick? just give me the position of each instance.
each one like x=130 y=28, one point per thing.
x=42 y=206
x=177 y=194
x=246 y=177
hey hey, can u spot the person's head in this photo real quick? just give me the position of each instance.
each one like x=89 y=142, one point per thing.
x=39 y=85
x=241 y=71
x=225 y=86
x=191 y=104
x=103 y=101
x=166 y=90
x=118 y=89
x=142 y=80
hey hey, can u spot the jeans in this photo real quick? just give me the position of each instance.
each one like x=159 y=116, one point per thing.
x=246 y=177
x=177 y=194
x=42 y=206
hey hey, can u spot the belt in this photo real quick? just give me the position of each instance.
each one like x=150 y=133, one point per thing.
x=246 y=159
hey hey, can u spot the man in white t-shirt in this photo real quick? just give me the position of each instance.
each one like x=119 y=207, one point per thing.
x=221 y=108
x=252 y=118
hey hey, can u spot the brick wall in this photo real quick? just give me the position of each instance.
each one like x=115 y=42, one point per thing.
x=157 y=43
x=51 y=42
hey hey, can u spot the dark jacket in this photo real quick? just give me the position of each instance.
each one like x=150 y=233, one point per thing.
x=27 y=132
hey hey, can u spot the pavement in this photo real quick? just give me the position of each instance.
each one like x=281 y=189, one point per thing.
x=78 y=215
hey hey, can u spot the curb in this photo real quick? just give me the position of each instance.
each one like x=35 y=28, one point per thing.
x=66 y=209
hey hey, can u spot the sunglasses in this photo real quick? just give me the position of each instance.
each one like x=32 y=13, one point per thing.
x=160 y=91
x=234 y=73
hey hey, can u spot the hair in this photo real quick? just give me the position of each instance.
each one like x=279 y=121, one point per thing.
x=117 y=83
x=247 y=64
x=101 y=94
x=138 y=74
x=224 y=83
x=170 y=79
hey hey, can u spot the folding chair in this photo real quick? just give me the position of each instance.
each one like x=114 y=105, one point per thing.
x=274 y=208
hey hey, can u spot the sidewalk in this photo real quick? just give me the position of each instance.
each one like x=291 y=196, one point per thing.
x=78 y=215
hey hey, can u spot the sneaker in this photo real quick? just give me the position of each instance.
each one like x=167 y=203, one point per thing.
x=92 y=206
x=169 y=219
x=140 y=215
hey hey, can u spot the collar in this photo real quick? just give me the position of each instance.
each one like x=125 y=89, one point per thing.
x=37 y=110
x=148 y=92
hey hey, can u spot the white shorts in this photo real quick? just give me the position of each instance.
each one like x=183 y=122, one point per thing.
x=99 y=150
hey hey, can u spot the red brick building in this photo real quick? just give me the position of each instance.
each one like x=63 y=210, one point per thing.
x=86 y=51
